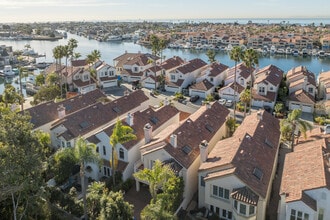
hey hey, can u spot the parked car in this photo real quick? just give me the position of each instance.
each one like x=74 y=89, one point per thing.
x=194 y=98
x=229 y=103
x=222 y=101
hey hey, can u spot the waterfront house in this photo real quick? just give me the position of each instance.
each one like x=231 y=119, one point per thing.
x=44 y=114
x=131 y=67
x=151 y=75
x=146 y=124
x=171 y=64
x=184 y=75
x=83 y=81
x=325 y=41
x=266 y=84
x=228 y=92
x=324 y=85
x=235 y=178
x=105 y=75
x=305 y=187
x=302 y=89
x=94 y=118
x=178 y=145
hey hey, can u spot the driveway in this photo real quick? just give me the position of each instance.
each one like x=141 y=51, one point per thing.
x=138 y=199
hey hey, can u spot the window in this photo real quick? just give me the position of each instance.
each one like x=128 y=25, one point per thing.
x=215 y=190
x=212 y=208
x=251 y=210
x=108 y=171
x=202 y=181
x=104 y=171
x=310 y=90
x=242 y=209
x=306 y=216
x=63 y=143
x=220 y=192
x=211 y=79
x=68 y=144
x=111 y=73
x=271 y=88
x=97 y=149
x=86 y=77
x=261 y=89
x=321 y=214
x=172 y=77
x=136 y=69
x=298 y=215
x=235 y=204
x=104 y=150
x=121 y=153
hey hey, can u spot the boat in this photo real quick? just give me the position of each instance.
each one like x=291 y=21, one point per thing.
x=8 y=71
x=42 y=65
x=321 y=54
x=280 y=51
x=295 y=53
x=112 y=38
x=272 y=49
x=288 y=51
x=304 y=52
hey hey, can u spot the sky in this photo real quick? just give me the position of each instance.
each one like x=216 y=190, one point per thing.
x=113 y=10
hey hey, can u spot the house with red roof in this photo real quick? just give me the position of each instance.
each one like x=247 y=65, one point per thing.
x=235 y=178
x=266 y=84
x=183 y=76
x=178 y=145
x=105 y=75
x=146 y=124
x=305 y=186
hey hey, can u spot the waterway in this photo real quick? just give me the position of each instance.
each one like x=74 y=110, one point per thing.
x=111 y=50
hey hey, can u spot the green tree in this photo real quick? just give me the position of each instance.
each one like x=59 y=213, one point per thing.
x=46 y=94
x=158 y=45
x=245 y=98
x=293 y=126
x=120 y=135
x=65 y=160
x=95 y=192
x=278 y=108
x=236 y=54
x=156 y=211
x=211 y=55
x=85 y=153
x=94 y=56
x=40 y=80
x=231 y=125
x=250 y=60
x=10 y=96
x=156 y=177
x=72 y=44
x=21 y=167
x=58 y=54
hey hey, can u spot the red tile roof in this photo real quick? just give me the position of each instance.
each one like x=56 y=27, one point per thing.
x=204 y=85
x=202 y=125
x=307 y=167
x=302 y=96
x=269 y=74
x=172 y=63
x=250 y=152
x=191 y=66
x=217 y=68
x=46 y=112
x=94 y=116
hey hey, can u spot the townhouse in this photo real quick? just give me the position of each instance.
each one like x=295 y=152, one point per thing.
x=183 y=76
x=266 y=84
x=302 y=89
x=243 y=79
x=83 y=82
x=146 y=124
x=324 y=85
x=44 y=114
x=305 y=188
x=93 y=118
x=105 y=75
x=131 y=66
x=235 y=178
x=209 y=78
x=178 y=145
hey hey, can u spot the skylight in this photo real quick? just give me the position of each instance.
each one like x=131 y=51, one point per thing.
x=186 y=149
x=270 y=144
x=84 y=124
x=258 y=173
x=116 y=109
x=154 y=120
x=209 y=128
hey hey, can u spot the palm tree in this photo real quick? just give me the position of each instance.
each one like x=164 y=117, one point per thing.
x=211 y=55
x=156 y=177
x=250 y=60
x=236 y=54
x=85 y=153
x=58 y=54
x=157 y=211
x=66 y=54
x=94 y=56
x=72 y=45
x=245 y=97
x=290 y=125
x=120 y=135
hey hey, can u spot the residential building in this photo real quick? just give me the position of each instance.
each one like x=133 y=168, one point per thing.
x=94 y=118
x=184 y=75
x=305 y=188
x=83 y=81
x=302 y=89
x=235 y=178
x=178 y=145
x=146 y=124
x=243 y=75
x=105 y=75
x=266 y=84
x=324 y=85
x=151 y=74
x=228 y=92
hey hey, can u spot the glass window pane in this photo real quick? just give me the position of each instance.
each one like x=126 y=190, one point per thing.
x=242 y=209
x=221 y=192
x=226 y=194
x=306 y=216
x=251 y=210
x=215 y=190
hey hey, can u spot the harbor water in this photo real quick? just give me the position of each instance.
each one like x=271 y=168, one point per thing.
x=111 y=50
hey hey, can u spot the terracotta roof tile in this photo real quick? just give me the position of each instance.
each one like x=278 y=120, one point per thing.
x=217 y=68
x=204 y=85
x=252 y=151
x=302 y=96
x=172 y=63
x=191 y=66
x=46 y=112
x=271 y=74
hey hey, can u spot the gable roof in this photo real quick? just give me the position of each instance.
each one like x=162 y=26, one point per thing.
x=79 y=63
x=204 y=85
x=302 y=96
x=240 y=88
x=191 y=66
x=141 y=118
x=249 y=154
x=271 y=74
x=307 y=168
x=141 y=59
x=241 y=70
x=202 y=125
x=94 y=116
x=46 y=112
x=217 y=68
x=297 y=76
x=172 y=63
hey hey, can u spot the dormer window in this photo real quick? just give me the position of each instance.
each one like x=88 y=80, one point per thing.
x=136 y=69
x=121 y=153
x=310 y=90
x=261 y=89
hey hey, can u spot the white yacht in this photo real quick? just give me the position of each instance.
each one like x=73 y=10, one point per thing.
x=8 y=71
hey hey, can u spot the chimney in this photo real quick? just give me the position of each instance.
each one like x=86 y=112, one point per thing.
x=147 y=133
x=259 y=115
x=203 y=150
x=327 y=129
x=61 y=111
x=130 y=119
x=173 y=140
x=166 y=102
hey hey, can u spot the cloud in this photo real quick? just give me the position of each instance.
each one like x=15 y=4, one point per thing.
x=55 y=3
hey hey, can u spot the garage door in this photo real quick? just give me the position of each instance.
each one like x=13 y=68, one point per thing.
x=306 y=108
x=294 y=106
x=149 y=85
x=109 y=84
x=200 y=94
